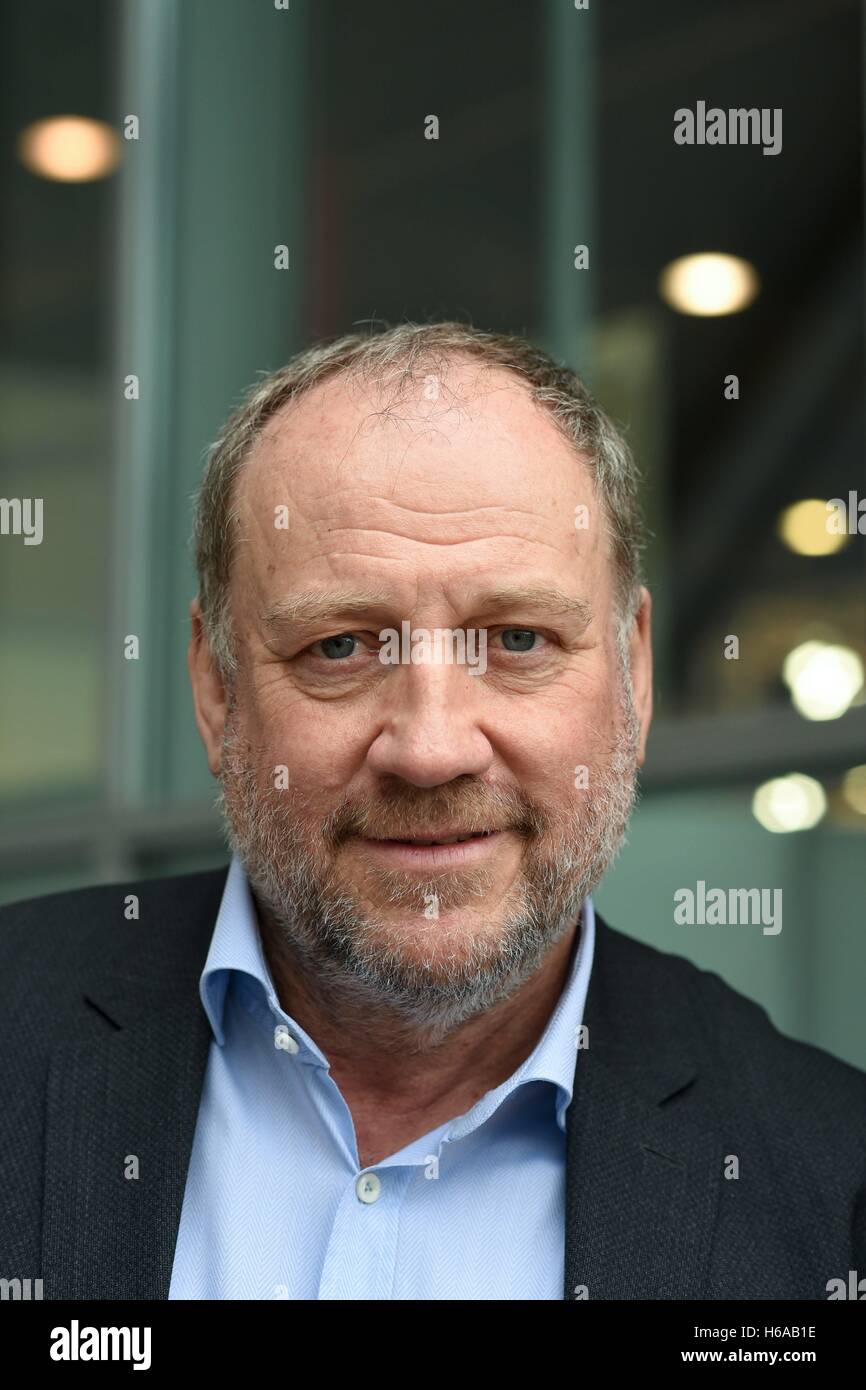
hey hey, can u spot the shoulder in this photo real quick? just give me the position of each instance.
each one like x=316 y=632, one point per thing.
x=84 y=927
x=744 y=1061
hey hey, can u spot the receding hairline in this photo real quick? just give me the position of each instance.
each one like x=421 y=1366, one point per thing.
x=359 y=377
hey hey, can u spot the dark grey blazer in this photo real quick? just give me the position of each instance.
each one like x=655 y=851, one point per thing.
x=103 y=1045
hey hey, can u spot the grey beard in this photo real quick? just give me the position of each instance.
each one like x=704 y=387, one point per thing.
x=326 y=932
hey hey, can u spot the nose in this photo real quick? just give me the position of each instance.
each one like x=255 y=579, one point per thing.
x=430 y=732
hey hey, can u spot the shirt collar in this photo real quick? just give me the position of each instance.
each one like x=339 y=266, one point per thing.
x=236 y=947
x=555 y=1054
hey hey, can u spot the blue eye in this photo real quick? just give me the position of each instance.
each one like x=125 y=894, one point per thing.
x=336 y=641
x=523 y=638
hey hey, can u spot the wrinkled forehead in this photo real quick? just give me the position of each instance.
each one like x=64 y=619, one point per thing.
x=443 y=443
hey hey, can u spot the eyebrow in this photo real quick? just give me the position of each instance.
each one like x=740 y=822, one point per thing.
x=541 y=597
x=314 y=605
x=336 y=605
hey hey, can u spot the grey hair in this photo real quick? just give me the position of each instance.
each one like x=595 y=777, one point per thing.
x=401 y=356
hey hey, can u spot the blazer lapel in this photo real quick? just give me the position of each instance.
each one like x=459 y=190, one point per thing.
x=642 y=1181
x=122 y=1105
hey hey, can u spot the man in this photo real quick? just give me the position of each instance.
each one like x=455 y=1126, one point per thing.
x=394 y=1053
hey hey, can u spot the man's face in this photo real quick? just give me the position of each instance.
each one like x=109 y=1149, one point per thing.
x=449 y=510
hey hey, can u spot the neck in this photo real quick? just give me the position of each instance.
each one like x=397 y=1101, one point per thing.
x=401 y=1081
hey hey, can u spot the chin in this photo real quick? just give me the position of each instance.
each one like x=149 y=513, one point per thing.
x=453 y=937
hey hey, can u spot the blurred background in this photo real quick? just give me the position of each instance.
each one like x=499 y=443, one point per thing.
x=139 y=298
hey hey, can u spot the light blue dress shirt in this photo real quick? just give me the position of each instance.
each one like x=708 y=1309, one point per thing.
x=276 y=1204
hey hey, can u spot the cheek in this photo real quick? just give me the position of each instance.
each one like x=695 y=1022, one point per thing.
x=574 y=724
x=321 y=751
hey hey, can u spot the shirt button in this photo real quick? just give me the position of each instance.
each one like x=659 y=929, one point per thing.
x=368 y=1187
x=284 y=1041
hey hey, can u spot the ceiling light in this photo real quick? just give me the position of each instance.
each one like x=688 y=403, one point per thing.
x=824 y=679
x=789 y=803
x=72 y=149
x=710 y=283
x=803 y=527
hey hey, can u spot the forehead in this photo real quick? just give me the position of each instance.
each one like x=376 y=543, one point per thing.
x=348 y=432
x=436 y=468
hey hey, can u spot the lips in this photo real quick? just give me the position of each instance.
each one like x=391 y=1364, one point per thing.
x=457 y=838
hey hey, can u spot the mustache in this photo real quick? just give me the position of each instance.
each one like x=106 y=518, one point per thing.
x=403 y=813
